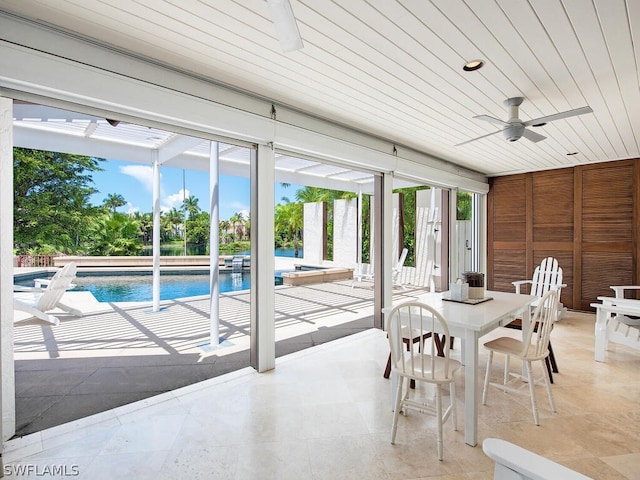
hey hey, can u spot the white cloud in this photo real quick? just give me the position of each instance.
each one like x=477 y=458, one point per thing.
x=236 y=207
x=142 y=173
x=131 y=209
x=174 y=200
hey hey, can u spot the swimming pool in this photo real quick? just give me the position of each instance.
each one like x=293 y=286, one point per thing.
x=137 y=286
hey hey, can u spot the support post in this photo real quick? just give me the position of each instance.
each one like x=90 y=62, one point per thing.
x=263 y=331
x=7 y=385
x=214 y=243
x=156 y=232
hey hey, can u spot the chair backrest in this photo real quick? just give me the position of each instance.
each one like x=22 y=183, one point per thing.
x=415 y=359
x=536 y=344
x=398 y=267
x=58 y=284
x=546 y=276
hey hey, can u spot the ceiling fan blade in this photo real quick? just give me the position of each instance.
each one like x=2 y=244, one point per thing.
x=490 y=119
x=533 y=136
x=477 y=138
x=286 y=25
x=558 y=116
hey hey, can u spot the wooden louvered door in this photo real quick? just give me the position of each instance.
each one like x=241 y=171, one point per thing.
x=587 y=217
x=606 y=243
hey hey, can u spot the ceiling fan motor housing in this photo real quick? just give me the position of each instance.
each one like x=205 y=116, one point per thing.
x=513 y=131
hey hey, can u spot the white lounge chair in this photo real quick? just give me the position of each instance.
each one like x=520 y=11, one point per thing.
x=37 y=301
x=397 y=270
x=360 y=275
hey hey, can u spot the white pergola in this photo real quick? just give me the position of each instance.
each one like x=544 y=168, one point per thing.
x=52 y=129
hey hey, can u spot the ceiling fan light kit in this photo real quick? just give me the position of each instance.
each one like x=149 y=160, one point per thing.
x=514 y=128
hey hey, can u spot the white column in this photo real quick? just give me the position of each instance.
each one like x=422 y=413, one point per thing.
x=388 y=255
x=359 y=237
x=7 y=387
x=263 y=331
x=454 y=244
x=214 y=243
x=156 y=232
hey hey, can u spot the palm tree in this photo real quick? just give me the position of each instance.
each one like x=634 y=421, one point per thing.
x=223 y=230
x=114 y=201
x=237 y=222
x=172 y=221
x=190 y=206
x=289 y=221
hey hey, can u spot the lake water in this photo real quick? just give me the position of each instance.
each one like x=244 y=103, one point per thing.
x=176 y=250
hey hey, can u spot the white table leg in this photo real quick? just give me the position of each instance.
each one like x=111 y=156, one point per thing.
x=471 y=396
x=601 y=334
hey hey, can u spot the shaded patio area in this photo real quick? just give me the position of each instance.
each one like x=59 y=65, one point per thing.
x=98 y=362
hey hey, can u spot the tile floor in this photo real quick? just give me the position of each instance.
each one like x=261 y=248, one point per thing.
x=324 y=413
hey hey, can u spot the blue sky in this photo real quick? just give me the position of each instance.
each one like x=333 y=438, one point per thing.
x=134 y=182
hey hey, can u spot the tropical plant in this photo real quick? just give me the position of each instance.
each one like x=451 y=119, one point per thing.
x=51 y=208
x=114 y=201
x=198 y=229
x=288 y=223
x=237 y=225
x=172 y=224
x=464 y=205
x=114 y=234
x=190 y=206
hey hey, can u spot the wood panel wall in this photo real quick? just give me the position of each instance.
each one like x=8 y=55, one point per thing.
x=587 y=217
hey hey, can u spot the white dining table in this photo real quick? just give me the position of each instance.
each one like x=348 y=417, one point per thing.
x=470 y=323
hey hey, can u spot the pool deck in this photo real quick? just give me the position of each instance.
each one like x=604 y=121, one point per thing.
x=90 y=364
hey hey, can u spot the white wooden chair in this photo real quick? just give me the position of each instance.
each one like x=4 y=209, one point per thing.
x=37 y=301
x=620 y=291
x=534 y=347
x=420 y=362
x=516 y=463
x=546 y=276
x=361 y=274
x=397 y=270
x=617 y=320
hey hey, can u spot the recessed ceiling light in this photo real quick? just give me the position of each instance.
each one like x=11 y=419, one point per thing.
x=572 y=153
x=473 y=65
x=542 y=124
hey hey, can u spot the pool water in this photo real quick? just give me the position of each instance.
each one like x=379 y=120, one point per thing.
x=139 y=287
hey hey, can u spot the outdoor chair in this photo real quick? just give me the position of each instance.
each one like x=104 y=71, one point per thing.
x=421 y=364
x=632 y=320
x=516 y=463
x=534 y=347
x=395 y=273
x=546 y=276
x=37 y=301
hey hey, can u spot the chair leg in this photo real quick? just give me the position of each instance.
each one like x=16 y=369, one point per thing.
x=547 y=385
x=387 y=369
x=396 y=410
x=547 y=364
x=439 y=415
x=532 y=392
x=452 y=396
x=486 y=378
x=552 y=359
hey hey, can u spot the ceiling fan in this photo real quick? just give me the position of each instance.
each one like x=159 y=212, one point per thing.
x=286 y=25
x=514 y=128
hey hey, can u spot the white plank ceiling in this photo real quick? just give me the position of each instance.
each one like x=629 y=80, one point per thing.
x=393 y=68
